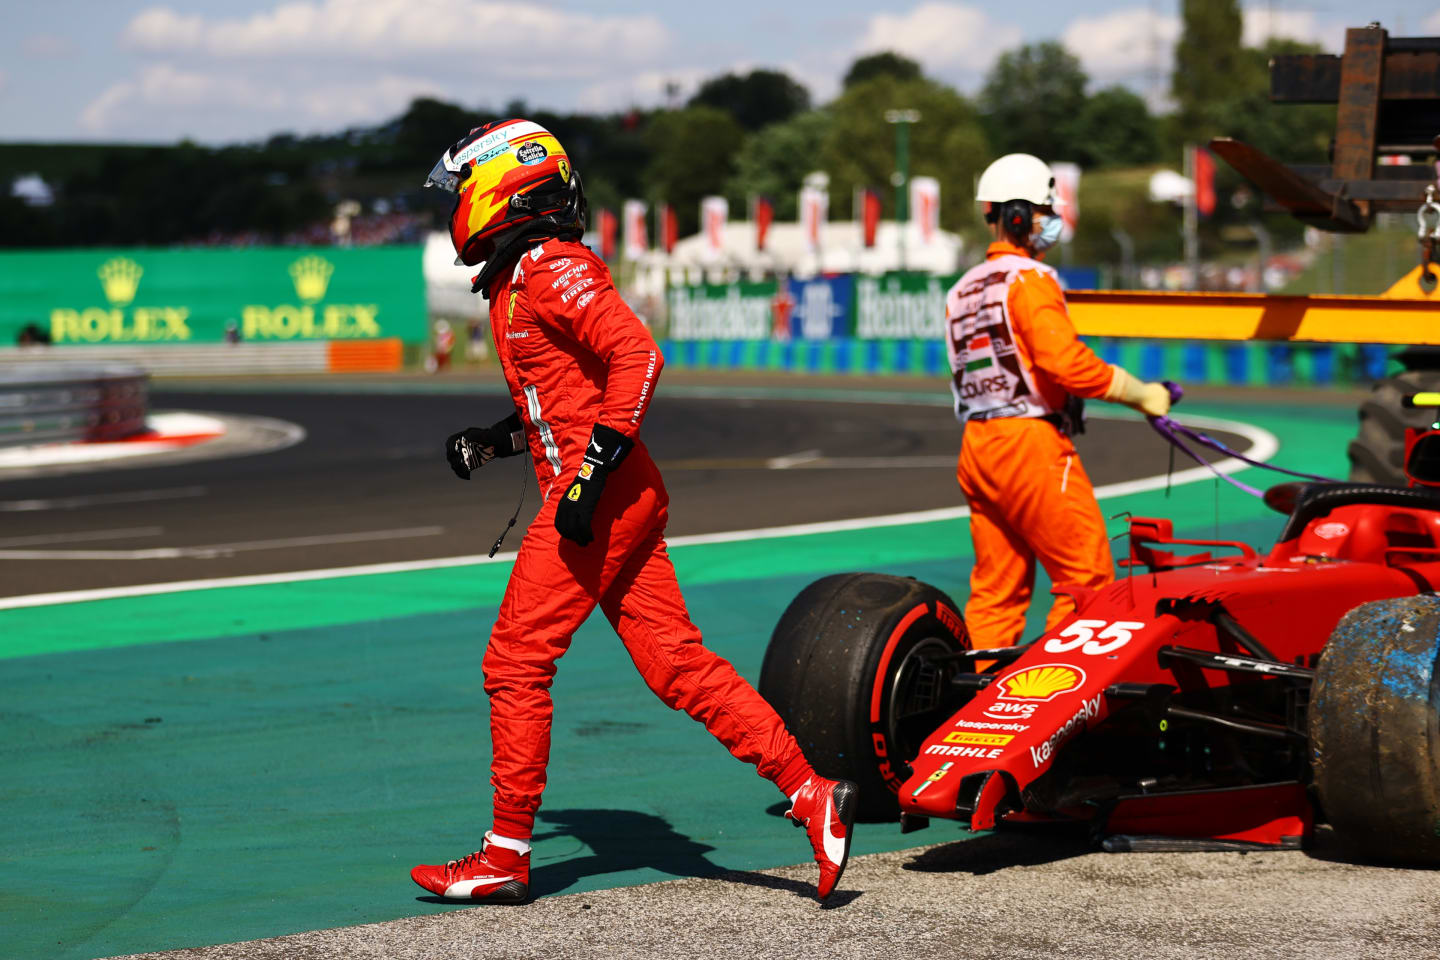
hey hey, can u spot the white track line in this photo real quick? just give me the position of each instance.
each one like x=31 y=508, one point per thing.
x=1263 y=446
x=85 y=537
x=213 y=550
x=932 y=462
x=99 y=499
x=793 y=460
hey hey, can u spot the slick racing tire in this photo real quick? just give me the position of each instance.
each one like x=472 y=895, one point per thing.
x=1377 y=453
x=851 y=669
x=1375 y=730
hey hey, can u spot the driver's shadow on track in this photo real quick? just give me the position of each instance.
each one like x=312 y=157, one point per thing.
x=623 y=840
x=998 y=850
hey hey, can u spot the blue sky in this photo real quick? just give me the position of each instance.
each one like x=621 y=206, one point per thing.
x=228 y=70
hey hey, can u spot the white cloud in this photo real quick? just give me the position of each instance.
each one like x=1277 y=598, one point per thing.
x=216 y=105
x=648 y=88
x=1432 y=25
x=645 y=89
x=1125 y=45
x=1133 y=47
x=944 y=37
x=317 y=65
x=393 y=29
x=1262 y=23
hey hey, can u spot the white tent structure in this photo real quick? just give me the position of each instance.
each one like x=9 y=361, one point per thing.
x=788 y=251
x=694 y=260
x=447 y=284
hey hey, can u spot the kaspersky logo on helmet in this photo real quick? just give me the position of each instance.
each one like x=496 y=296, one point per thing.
x=120 y=282
x=310 y=320
x=1020 y=693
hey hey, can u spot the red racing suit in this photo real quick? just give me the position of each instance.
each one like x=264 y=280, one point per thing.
x=575 y=355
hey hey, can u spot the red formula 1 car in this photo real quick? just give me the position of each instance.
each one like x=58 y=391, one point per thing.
x=1201 y=702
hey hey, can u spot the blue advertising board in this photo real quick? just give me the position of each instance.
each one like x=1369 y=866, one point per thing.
x=821 y=306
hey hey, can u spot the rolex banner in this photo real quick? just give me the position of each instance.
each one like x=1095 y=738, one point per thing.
x=195 y=296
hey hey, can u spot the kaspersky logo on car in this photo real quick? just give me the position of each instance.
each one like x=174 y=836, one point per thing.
x=1019 y=693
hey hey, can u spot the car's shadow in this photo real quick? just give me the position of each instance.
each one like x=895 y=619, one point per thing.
x=1325 y=845
x=1035 y=844
x=625 y=840
x=1027 y=846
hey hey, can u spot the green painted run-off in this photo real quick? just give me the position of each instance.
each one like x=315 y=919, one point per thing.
x=243 y=762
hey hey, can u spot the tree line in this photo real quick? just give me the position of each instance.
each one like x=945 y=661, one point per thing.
x=738 y=135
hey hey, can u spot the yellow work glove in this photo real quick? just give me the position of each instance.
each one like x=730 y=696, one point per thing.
x=1151 y=399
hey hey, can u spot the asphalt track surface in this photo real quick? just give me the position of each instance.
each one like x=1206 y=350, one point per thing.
x=369 y=483
x=740 y=458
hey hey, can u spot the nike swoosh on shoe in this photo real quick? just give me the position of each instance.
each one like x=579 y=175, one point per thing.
x=834 y=846
x=465 y=888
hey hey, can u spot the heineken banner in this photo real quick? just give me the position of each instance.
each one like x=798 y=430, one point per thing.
x=896 y=306
x=210 y=295
x=901 y=306
x=737 y=311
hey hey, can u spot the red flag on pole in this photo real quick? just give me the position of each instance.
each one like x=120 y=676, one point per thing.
x=764 y=216
x=870 y=215
x=1203 y=164
x=669 y=231
x=635 y=241
x=606 y=224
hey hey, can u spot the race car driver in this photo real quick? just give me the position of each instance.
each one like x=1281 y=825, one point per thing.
x=1018 y=373
x=582 y=369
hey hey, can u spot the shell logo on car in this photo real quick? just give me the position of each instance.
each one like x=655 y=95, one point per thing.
x=1041 y=683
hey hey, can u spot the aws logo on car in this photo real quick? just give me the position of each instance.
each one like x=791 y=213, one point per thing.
x=1019 y=693
x=310 y=319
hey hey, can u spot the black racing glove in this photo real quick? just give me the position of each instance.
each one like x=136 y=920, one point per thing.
x=576 y=509
x=471 y=449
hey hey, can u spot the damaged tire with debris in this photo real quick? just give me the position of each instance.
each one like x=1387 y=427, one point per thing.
x=1375 y=730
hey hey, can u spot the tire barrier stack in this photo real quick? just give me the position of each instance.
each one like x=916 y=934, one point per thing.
x=55 y=403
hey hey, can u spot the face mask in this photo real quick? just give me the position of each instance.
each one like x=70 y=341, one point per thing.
x=1049 y=235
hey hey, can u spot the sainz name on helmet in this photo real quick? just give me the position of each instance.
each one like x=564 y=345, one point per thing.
x=512 y=181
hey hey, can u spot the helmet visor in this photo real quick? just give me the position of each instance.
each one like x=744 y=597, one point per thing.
x=444 y=177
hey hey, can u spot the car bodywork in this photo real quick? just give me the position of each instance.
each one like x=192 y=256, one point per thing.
x=1172 y=702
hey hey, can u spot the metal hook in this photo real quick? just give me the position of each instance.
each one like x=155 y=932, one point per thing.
x=1428 y=216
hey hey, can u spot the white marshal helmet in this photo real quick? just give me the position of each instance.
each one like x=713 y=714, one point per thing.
x=1018 y=176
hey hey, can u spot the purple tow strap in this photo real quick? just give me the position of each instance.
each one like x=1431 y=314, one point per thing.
x=1174 y=432
x=1170 y=430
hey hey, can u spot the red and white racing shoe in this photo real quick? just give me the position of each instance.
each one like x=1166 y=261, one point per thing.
x=826 y=809
x=493 y=874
